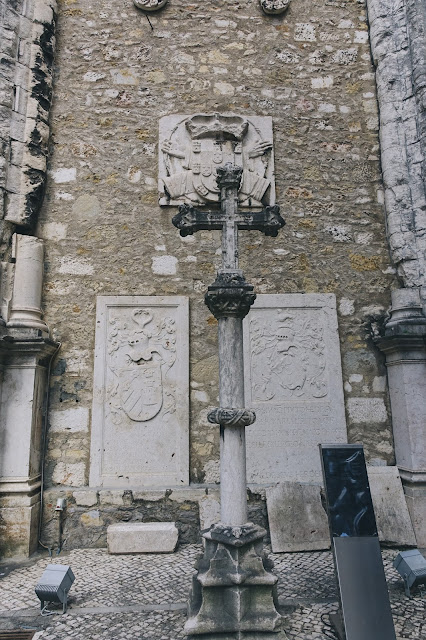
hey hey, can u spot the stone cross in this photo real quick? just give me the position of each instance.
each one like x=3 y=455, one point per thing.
x=229 y=299
x=233 y=571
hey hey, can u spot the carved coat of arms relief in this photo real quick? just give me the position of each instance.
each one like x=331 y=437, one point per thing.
x=150 y=5
x=141 y=352
x=193 y=147
x=288 y=358
x=274 y=6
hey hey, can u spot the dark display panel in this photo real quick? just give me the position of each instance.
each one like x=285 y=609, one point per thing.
x=350 y=509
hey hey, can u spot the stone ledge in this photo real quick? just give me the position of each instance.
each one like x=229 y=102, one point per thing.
x=142 y=537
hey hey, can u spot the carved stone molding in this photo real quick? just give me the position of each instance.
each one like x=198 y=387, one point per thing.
x=29 y=78
x=194 y=147
x=230 y=296
x=274 y=6
x=150 y=5
x=232 y=417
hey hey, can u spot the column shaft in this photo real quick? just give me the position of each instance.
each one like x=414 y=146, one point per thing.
x=233 y=487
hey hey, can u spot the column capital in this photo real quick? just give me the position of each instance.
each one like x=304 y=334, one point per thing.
x=230 y=296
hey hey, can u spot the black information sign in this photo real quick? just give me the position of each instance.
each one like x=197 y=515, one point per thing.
x=365 y=612
x=350 y=509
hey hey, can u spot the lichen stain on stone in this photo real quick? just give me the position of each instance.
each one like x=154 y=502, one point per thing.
x=365 y=263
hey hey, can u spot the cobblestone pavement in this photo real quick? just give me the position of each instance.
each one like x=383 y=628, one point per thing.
x=143 y=597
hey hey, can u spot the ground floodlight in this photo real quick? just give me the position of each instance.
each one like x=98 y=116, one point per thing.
x=54 y=585
x=411 y=566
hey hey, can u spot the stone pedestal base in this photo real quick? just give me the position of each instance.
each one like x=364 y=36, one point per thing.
x=24 y=365
x=19 y=518
x=415 y=495
x=234 y=591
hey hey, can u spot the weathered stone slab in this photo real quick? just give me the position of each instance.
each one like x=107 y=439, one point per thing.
x=293 y=380
x=297 y=519
x=140 y=417
x=390 y=507
x=142 y=537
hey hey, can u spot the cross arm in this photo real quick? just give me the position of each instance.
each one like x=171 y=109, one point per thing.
x=268 y=221
x=189 y=220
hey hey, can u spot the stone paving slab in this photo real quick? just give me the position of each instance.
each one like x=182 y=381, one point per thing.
x=143 y=597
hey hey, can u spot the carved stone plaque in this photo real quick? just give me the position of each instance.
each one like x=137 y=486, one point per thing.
x=293 y=381
x=191 y=148
x=150 y=5
x=274 y=6
x=140 y=398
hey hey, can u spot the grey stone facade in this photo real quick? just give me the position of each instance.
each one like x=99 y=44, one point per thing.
x=348 y=190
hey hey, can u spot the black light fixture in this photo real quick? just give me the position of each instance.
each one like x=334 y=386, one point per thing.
x=411 y=566
x=54 y=585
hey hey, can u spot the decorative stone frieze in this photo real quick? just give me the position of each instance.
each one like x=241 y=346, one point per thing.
x=27 y=286
x=194 y=147
x=230 y=295
x=150 y=5
x=274 y=6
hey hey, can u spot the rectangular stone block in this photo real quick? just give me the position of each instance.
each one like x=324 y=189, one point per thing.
x=142 y=537
x=297 y=519
x=390 y=507
x=140 y=417
x=293 y=381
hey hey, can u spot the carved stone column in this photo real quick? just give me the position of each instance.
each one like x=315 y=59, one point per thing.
x=27 y=286
x=404 y=344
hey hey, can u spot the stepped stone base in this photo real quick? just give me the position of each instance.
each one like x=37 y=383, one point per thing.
x=142 y=537
x=234 y=591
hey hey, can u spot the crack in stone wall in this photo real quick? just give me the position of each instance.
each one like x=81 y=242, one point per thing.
x=397 y=32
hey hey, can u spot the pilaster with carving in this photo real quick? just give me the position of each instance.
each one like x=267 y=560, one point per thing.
x=404 y=344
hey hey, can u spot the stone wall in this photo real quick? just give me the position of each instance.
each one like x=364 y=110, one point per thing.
x=105 y=234
x=398 y=32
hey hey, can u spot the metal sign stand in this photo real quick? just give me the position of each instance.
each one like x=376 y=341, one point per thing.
x=365 y=612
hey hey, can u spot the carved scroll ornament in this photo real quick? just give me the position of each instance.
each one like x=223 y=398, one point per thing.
x=274 y=6
x=150 y=5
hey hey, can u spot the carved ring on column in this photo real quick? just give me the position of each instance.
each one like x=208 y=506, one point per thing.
x=274 y=7
x=232 y=417
x=150 y=5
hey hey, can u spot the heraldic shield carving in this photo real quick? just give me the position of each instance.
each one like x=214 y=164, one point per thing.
x=192 y=148
x=141 y=352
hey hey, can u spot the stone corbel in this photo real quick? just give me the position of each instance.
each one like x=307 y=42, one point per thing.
x=150 y=5
x=274 y=7
x=25 y=311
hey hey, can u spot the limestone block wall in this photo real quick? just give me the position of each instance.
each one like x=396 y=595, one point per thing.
x=105 y=234
x=398 y=43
